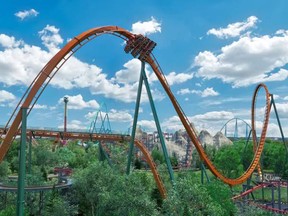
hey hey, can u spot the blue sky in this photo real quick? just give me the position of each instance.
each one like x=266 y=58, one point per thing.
x=213 y=54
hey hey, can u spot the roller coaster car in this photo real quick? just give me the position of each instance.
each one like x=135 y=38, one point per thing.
x=65 y=171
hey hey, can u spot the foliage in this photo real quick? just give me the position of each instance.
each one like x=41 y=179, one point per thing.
x=38 y=177
x=43 y=155
x=157 y=156
x=12 y=153
x=191 y=198
x=247 y=153
x=102 y=190
x=99 y=189
x=4 y=170
x=275 y=158
x=246 y=210
x=173 y=160
x=65 y=157
x=228 y=160
x=221 y=193
x=138 y=164
x=59 y=206
x=209 y=150
x=9 y=211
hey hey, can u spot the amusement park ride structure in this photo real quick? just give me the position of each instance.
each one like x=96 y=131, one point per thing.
x=100 y=123
x=235 y=134
x=140 y=47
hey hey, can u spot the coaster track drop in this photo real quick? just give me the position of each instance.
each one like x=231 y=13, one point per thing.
x=140 y=47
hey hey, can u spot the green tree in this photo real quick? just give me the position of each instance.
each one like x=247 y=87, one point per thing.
x=128 y=196
x=246 y=153
x=275 y=158
x=102 y=190
x=191 y=198
x=246 y=210
x=228 y=160
x=174 y=160
x=89 y=183
x=4 y=170
x=221 y=193
x=157 y=156
x=209 y=150
x=65 y=157
x=43 y=155
x=59 y=206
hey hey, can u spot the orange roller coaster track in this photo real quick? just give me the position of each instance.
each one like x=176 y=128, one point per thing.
x=51 y=68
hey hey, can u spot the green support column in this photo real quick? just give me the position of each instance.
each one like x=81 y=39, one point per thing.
x=279 y=124
x=162 y=141
x=203 y=172
x=135 y=118
x=22 y=164
x=30 y=154
x=101 y=152
x=202 y=175
x=104 y=155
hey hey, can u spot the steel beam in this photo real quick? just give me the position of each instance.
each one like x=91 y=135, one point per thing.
x=30 y=154
x=162 y=141
x=135 y=118
x=22 y=165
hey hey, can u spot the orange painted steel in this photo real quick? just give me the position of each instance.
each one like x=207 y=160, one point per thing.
x=46 y=74
x=152 y=166
x=105 y=137
x=193 y=136
x=61 y=57
x=259 y=204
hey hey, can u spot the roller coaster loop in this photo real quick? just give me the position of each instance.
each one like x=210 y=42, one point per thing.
x=272 y=105
x=140 y=47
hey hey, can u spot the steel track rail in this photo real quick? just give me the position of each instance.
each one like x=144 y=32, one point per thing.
x=52 y=67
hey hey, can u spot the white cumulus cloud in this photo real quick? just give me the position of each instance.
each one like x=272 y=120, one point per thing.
x=172 y=124
x=114 y=115
x=6 y=96
x=209 y=92
x=9 y=42
x=234 y=29
x=211 y=121
x=282 y=109
x=77 y=102
x=40 y=106
x=50 y=37
x=21 y=62
x=147 y=27
x=177 y=78
x=147 y=125
x=120 y=116
x=247 y=61
x=74 y=125
x=205 y=93
x=26 y=13
x=130 y=73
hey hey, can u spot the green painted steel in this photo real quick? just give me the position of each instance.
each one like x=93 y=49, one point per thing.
x=104 y=155
x=162 y=141
x=246 y=144
x=203 y=171
x=22 y=164
x=101 y=152
x=135 y=118
x=279 y=124
x=30 y=154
